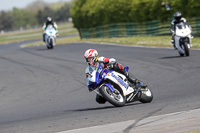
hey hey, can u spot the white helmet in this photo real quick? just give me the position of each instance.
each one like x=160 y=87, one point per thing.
x=49 y=19
x=91 y=56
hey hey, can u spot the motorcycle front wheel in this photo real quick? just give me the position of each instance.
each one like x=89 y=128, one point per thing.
x=186 y=49
x=116 y=98
x=51 y=43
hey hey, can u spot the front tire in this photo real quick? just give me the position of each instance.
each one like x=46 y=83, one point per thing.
x=181 y=54
x=186 y=49
x=116 y=98
x=51 y=43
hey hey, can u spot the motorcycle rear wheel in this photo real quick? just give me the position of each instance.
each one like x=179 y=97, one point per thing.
x=116 y=98
x=146 y=95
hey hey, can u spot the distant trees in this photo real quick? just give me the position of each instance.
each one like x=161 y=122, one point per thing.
x=63 y=13
x=6 y=20
x=35 y=14
x=60 y=15
x=43 y=14
x=93 y=13
x=23 y=18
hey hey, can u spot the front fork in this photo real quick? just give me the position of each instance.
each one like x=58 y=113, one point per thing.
x=108 y=85
x=179 y=41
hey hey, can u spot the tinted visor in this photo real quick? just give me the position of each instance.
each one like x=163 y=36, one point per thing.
x=178 y=18
x=89 y=59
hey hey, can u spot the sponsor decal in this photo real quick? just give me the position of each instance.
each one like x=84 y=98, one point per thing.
x=121 y=82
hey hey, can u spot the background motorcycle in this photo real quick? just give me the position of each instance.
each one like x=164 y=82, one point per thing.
x=50 y=36
x=113 y=87
x=183 y=38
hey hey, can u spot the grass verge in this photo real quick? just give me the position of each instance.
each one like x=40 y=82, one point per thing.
x=194 y=132
x=154 y=41
x=19 y=36
x=68 y=29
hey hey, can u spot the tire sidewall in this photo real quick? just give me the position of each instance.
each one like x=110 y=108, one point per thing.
x=144 y=98
x=109 y=99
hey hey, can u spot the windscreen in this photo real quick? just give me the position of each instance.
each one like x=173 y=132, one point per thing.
x=181 y=25
x=50 y=27
x=91 y=69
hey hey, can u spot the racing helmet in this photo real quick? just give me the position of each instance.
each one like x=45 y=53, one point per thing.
x=177 y=16
x=91 y=56
x=49 y=19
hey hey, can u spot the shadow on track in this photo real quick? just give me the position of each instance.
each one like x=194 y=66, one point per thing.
x=42 y=49
x=103 y=108
x=171 y=57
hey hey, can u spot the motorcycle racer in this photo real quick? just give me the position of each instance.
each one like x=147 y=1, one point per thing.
x=92 y=58
x=49 y=21
x=103 y=74
x=177 y=19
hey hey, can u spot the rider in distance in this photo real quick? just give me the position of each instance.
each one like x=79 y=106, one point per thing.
x=49 y=21
x=177 y=19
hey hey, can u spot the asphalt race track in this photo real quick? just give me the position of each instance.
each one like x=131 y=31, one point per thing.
x=44 y=91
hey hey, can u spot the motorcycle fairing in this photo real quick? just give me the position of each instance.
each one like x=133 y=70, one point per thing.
x=119 y=79
x=97 y=75
x=182 y=34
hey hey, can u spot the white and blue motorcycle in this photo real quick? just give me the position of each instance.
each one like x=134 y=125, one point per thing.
x=114 y=88
x=50 y=36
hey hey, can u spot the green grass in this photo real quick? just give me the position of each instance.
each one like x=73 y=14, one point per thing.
x=19 y=36
x=154 y=41
x=67 y=29
x=194 y=132
x=58 y=41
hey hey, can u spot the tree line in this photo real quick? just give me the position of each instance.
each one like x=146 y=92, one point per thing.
x=93 y=13
x=33 y=15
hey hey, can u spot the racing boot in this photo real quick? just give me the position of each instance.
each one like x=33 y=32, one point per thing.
x=44 y=37
x=119 y=68
x=130 y=78
x=100 y=99
x=173 y=43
